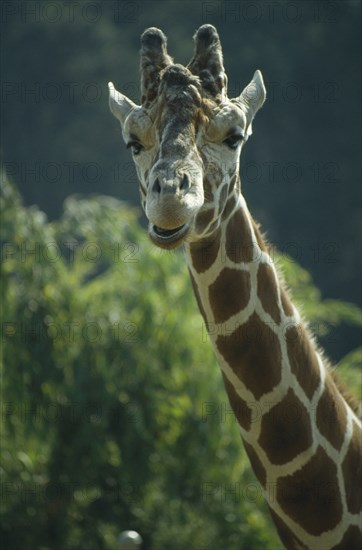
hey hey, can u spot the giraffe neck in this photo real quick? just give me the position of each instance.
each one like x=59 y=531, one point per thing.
x=301 y=436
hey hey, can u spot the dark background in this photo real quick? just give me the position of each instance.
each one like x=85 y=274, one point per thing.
x=301 y=169
x=113 y=414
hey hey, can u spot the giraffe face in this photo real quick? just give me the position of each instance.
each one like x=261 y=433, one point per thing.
x=186 y=138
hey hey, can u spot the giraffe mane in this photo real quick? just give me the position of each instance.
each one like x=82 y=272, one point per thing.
x=331 y=369
x=344 y=391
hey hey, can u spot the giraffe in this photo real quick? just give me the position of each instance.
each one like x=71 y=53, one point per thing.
x=300 y=429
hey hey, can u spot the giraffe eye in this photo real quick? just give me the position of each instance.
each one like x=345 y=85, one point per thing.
x=233 y=141
x=135 y=146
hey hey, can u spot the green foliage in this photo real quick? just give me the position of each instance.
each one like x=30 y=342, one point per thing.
x=114 y=415
x=350 y=370
x=308 y=298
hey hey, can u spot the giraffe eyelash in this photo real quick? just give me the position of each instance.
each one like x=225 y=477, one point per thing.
x=136 y=147
x=233 y=141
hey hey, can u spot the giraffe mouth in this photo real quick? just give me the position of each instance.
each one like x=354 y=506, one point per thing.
x=168 y=238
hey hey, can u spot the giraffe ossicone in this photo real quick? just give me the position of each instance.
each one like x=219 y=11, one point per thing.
x=305 y=443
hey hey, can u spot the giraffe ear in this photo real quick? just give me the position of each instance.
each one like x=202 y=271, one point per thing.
x=207 y=62
x=154 y=58
x=252 y=98
x=119 y=104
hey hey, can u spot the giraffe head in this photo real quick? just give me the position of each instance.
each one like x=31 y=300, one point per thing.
x=186 y=137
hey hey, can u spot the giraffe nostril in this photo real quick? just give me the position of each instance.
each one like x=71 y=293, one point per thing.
x=185 y=183
x=156 y=186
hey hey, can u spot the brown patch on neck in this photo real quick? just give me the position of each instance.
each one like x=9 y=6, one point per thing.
x=197 y=296
x=268 y=291
x=303 y=359
x=238 y=405
x=239 y=244
x=229 y=293
x=229 y=206
x=253 y=352
x=204 y=252
x=286 y=430
x=311 y=495
x=352 y=472
x=263 y=245
x=203 y=219
x=286 y=536
x=286 y=303
x=343 y=390
x=256 y=464
x=331 y=414
x=352 y=539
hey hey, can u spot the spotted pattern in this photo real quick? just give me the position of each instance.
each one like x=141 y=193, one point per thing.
x=213 y=226
x=229 y=206
x=353 y=463
x=222 y=199
x=198 y=298
x=268 y=292
x=342 y=389
x=287 y=537
x=286 y=303
x=214 y=174
x=239 y=244
x=203 y=219
x=311 y=489
x=229 y=294
x=208 y=191
x=303 y=359
x=352 y=540
x=241 y=410
x=258 y=236
x=204 y=253
x=257 y=466
x=332 y=415
x=244 y=350
x=286 y=430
